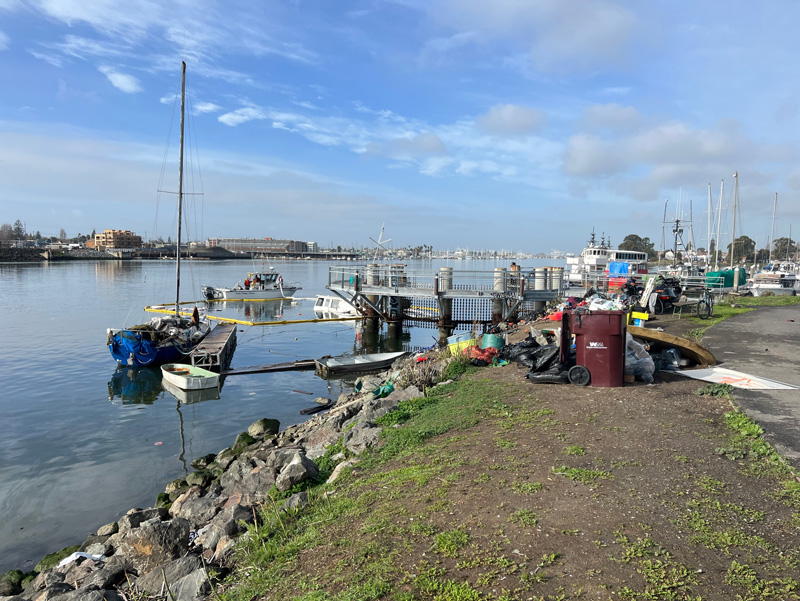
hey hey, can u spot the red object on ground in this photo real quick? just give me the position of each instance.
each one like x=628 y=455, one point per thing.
x=600 y=345
x=555 y=316
x=487 y=354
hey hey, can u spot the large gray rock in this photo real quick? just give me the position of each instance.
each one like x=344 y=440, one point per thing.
x=405 y=394
x=108 y=529
x=192 y=587
x=296 y=502
x=317 y=441
x=300 y=469
x=264 y=427
x=135 y=517
x=250 y=484
x=154 y=543
x=200 y=511
x=225 y=523
x=49 y=592
x=360 y=438
x=153 y=581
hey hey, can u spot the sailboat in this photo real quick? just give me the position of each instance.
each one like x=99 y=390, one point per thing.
x=166 y=338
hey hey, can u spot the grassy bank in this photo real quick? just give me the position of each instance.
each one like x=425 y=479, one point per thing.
x=495 y=488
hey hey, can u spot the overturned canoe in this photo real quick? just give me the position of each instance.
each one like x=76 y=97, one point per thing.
x=696 y=352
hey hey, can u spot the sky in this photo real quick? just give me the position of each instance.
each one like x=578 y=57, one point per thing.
x=516 y=125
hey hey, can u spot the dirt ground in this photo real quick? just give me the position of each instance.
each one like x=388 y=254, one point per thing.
x=566 y=492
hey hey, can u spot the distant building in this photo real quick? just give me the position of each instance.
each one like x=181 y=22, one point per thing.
x=259 y=245
x=117 y=239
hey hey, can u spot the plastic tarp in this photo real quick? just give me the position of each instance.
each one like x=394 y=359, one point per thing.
x=617 y=269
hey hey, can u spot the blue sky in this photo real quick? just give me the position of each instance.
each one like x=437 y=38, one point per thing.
x=515 y=124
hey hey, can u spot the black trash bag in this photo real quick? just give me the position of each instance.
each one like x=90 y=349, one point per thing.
x=510 y=352
x=479 y=362
x=543 y=357
x=554 y=375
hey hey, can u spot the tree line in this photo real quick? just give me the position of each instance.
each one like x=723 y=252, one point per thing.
x=744 y=249
x=17 y=233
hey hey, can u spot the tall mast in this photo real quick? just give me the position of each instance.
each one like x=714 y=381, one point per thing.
x=719 y=219
x=708 y=228
x=180 y=196
x=735 y=208
x=772 y=232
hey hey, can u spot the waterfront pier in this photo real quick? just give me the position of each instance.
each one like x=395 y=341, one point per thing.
x=446 y=298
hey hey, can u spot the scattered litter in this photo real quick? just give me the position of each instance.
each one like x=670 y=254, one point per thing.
x=79 y=554
x=157 y=444
x=303 y=392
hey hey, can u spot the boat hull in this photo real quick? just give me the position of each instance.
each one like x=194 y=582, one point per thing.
x=130 y=348
x=189 y=377
x=212 y=293
x=356 y=363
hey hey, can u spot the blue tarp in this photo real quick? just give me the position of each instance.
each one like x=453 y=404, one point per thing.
x=616 y=269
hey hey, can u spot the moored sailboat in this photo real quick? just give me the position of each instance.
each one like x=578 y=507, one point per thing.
x=168 y=338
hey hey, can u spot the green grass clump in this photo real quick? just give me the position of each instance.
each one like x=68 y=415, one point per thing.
x=450 y=542
x=718 y=390
x=583 y=475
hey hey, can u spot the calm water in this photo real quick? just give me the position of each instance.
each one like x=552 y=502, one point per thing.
x=81 y=442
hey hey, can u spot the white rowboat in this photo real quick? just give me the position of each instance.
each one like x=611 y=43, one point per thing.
x=189 y=377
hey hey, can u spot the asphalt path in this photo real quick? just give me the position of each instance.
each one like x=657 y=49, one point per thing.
x=766 y=343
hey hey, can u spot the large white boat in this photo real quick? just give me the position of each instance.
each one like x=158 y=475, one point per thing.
x=777 y=278
x=257 y=286
x=596 y=259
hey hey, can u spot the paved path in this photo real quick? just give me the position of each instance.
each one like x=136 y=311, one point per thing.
x=766 y=343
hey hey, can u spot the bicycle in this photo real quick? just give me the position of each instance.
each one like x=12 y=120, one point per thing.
x=705 y=306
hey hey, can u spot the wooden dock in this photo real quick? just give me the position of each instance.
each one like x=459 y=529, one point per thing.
x=216 y=350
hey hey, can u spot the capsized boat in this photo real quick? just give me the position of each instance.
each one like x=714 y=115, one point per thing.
x=162 y=339
x=356 y=363
x=189 y=377
x=257 y=286
x=335 y=306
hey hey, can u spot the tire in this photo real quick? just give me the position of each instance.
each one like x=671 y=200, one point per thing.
x=659 y=307
x=579 y=375
x=703 y=309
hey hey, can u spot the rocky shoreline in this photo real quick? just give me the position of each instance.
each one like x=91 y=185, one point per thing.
x=183 y=544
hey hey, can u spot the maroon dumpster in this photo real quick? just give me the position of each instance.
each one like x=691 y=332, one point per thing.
x=599 y=348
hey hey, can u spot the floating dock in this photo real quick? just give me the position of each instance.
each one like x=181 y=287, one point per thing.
x=216 y=350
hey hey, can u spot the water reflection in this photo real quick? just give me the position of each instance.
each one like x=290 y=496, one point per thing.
x=135 y=386
x=189 y=397
x=250 y=311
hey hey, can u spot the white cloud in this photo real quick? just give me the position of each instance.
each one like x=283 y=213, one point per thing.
x=408 y=148
x=242 y=115
x=578 y=34
x=4 y=41
x=123 y=82
x=510 y=119
x=126 y=18
x=206 y=107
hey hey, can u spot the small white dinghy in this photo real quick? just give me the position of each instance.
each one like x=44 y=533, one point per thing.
x=189 y=377
x=356 y=363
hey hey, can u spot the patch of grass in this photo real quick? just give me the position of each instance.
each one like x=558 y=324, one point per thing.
x=450 y=542
x=718 y=390
x=745 y=578
x=504 y=444
x=583 y=475
x=431 y=584
x=664 y=577
x=768 y=301
x=575 y=450
x=526 y=488
x=524 y=517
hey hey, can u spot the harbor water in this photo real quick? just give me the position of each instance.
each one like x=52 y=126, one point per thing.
x=82 y=441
